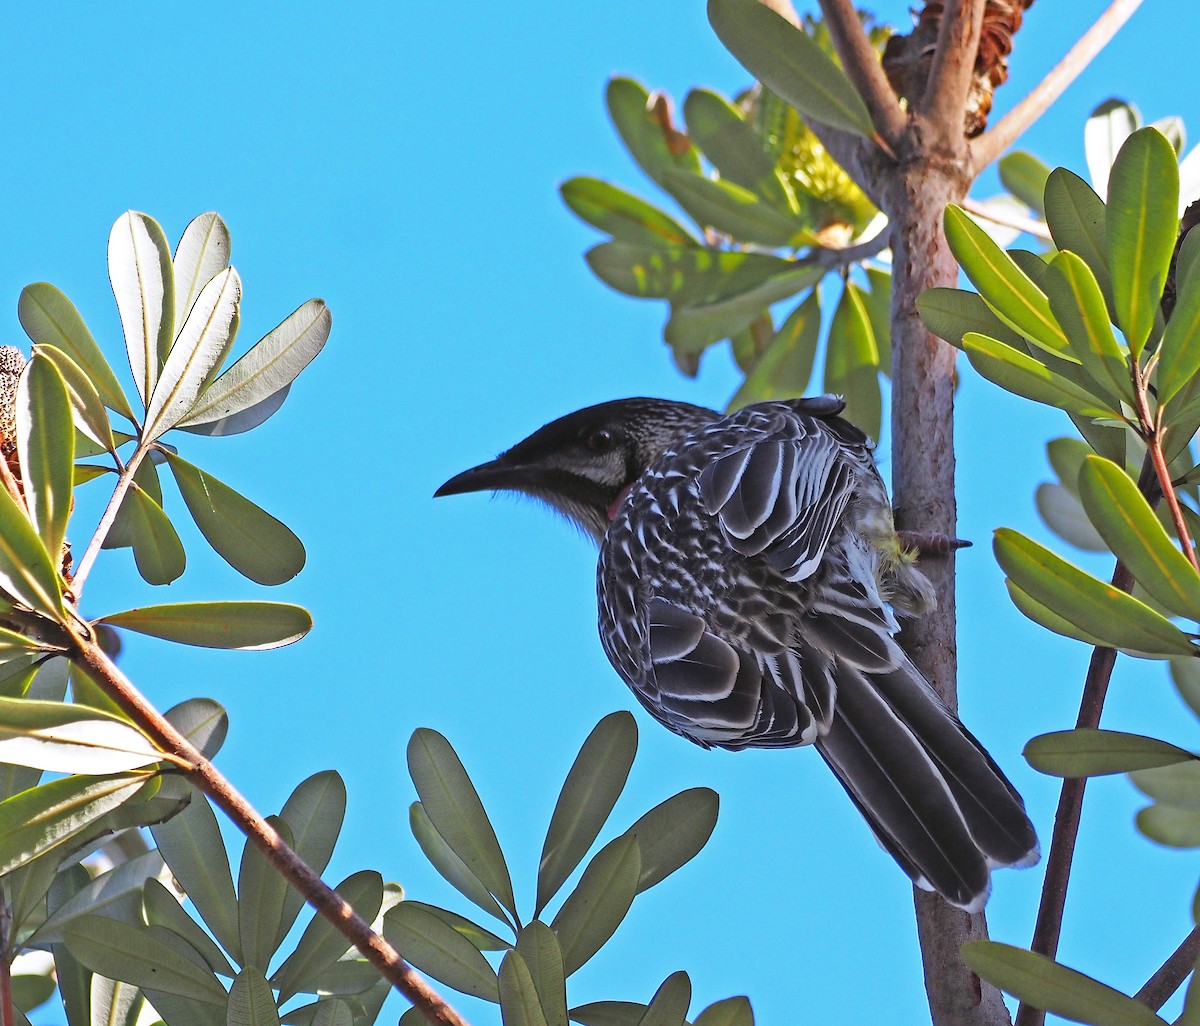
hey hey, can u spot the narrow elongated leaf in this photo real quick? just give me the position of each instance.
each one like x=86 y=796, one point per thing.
x=734 y=1011
x=1043 y=983
x=953 y=313
x=449 y=799
x=204 y=340
x=672 y=833
x=314 y=811
x=1107 y=128
x=640 y=122
x=162 y=908
x=1021 y=374
x=113 y=1001
x=445 y=860
x=785 y=367
x=267 y=368
x=116 y=894
x=1078 y=304
x=790 y=63
x=146 y=956
x=87 y=408
x=1025 y=176
x=68 y=738
x=1065 y=516
x=609 y=1013
x=670 y=1003
x=1088 y=753
x=683 y=274
x=246 y=536
x=322 y=944
x=1176 y=783
x=44 y=817
x=1014 y=298
x=202 y=253
x=601 y=899
x=248 y=626
x=251 y=1002
x=193 y=849
x=623 y=215
x=142 y=277
x=852 y=361
x=518 y=994
x=261 y=893
x=538 y=948
x=50 y=319
x=736 y=211
x=121 y=534
x=1136 y=536
x=1170 y=825
x=243 y=420
x=1142 y=222
x=1095 y=606
x=1185 y=675
x=439 y=950
x=157 y=549
x=1179 y=352
x=483 y=939
x=27 y=571
x=1076 y=218
x=594 y=783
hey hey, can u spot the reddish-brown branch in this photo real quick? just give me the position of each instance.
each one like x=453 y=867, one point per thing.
x=953 y=63
x=1171 y=973
x=212 y=783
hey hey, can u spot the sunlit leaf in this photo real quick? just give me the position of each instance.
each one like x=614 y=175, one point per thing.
x=162 y=908
x=248 y=626
x=623 y=215
x=538 y=948
x=251 y=1002
x=1087 y=753
x=1043 y=983
x=1175 y=783
x=593 y=785
x=642 y=131
x=672 y=833
x=1179 y=351
x=116 y=894
x=1142 y=223
x=789 y=62
x=1078 y=304
x=601 y=899
x=261 y=893
x=1076 y=218
x=953 y=313
x=112 y=1001
x=69 y=738
x=1171 y=825
x=518 y=995
x=784 y=369
x=202 y=253
x=1025 y=176
x=1107 y=128
x=736 y=211
x=446 y=861
x=439 y=950
x=452 y=804
x=27 y=570
x=683 y=274
x=142 y=276
x=87 y=408
x=314 y=811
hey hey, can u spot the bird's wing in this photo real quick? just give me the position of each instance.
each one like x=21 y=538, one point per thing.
x=781 y=494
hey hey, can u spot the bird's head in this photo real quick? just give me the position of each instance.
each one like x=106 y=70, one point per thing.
x=583 y=464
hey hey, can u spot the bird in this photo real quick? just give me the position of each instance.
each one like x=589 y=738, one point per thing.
x=750 y=585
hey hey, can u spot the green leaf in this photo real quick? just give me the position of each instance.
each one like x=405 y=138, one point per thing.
x=450 y=801
x=202 y=253
x=1179 y=351
x=1187 y=260
x=116 y=894
x=441 y=951
x=50 y=319
x=1043 y=983
x=732 y=147
x=247 y=537
x=1135 y=535
x=203 y=722
x=672 y=833
x=30 y=991
x=623 y=215
x=790 y=63
x=314 y=811
x=445 y=860
x=1185 y=675
x=852 y=361
x=1088 y=753
x=1026 y=376
x=68 y=738
x=1142 y=224
x=683 y=274
x=87 y=408
x=142 y=276
x=1171 y=825
x=1078 y=304
x=1065 y=516
x=27 y=570
x=670 y=1003
x=1025 y=176
x=255 y=387
x=483 y=939
x=953 y=313
x=643 y=133
x=251 y=1002
x=518 y=996
x=248 y=626
x=1107 y=128
x=609 y=1013
x=594 y=783
x=1076 y=218
x=734 y=1011
x=1176 y=783
x=112 y=1001
x=1095 y=606
x=124 y=527
x=1008 y=290
x=785 y=367
x=735 y=211
x=192 y=847
x=261 y=892
x=601 y=899
x=537 y=946
x=162 y=908
x=75 y=984
x=878 y=302
x=146 y=956
x=49 y=815
x=322 y=943
x=157 y=549
x=202 y=343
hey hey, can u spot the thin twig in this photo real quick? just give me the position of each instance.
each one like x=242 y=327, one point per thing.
x=1171 y=973
x=945 y=96
x=1152 y=433
x=206 y=778
x=862 y=66
x=1029 y=225
x=124 y=480
x=853 y=254
x=1008 y=129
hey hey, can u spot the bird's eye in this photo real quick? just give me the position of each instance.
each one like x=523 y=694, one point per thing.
x=600 y=440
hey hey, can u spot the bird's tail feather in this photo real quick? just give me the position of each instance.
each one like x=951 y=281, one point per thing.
x=936 y=801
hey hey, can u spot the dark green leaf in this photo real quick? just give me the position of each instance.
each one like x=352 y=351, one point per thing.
x=1025 y=176
x=852 y=361
x=203 y=722
x=1179 y=352
x=1026 y=376
x=672 y=833
x=143 y=281
x=1076 y=218
x=1187 y=260
x=1077 y=303
x=445 y=860
x=650 y=142
x=247 y=537
x=735 y=211
x=441 y=951
x=953 y=313
x=791 y=63
x=518 y=995
x=249 y=626
x=1092 y=605
x=609 y=1013
x=314 y=811
x=1185 y=675
x=450 y=801
x=593 y=785
x=683 y=274
x=785 y=367
x=670 y=1003
x=542 y=957
x=623 y=215
x=28 y=991
x=50 y=319
x=202 y=253
x=27 y=570
x=115 y=894
x=122 y=533
x=157 y=549
x=261 y=893
x=1043 y=983
x=601 y=899
x=251 y=1002
x=734 y=1011
x=483 y=939
x=46 y=446
x=88 y=412
x=74 y=986
x=1142 y=223
x=1088 y=753
x=162 y=908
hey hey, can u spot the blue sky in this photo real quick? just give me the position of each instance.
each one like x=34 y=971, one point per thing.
x=401 y=161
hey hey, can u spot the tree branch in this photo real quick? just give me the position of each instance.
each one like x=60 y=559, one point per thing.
x=207 y=779
x=1031 y=226
x=862 y=67
x=1171 y=973
x=945 y=95
x=1008 y=129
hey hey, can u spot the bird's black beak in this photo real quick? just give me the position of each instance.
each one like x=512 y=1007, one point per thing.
x=494 y=476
